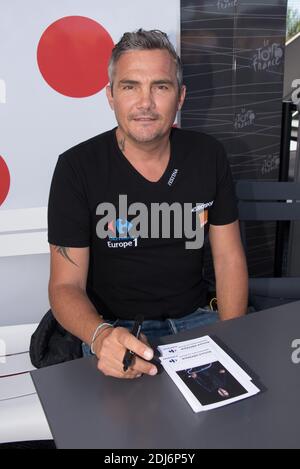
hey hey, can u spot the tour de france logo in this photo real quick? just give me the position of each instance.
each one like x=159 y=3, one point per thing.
x=267 y=57
x=244 y=118
x=224 y=4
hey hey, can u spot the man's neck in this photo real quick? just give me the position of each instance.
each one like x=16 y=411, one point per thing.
x=144 y=151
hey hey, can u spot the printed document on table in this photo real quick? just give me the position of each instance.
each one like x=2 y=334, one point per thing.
x=205 y=374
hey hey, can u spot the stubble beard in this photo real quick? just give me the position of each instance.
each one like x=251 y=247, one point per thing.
x=144 y=134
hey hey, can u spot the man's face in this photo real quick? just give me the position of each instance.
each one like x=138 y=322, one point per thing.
x=145 y=96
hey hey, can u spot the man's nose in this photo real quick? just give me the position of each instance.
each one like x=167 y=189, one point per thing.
x=146 y=100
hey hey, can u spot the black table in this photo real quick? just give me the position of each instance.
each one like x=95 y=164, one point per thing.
x=85 y=409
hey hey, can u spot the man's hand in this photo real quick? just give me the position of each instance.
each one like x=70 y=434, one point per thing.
x=110 y=348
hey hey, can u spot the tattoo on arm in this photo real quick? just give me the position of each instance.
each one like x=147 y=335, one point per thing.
x=122 y=144
x=64 y=252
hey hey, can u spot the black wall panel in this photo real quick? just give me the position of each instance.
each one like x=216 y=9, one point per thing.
x=233 y=59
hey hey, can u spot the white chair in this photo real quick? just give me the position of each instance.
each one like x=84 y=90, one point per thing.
x=21 y=415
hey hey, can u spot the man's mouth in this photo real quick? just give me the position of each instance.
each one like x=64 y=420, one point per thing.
x=144 y=119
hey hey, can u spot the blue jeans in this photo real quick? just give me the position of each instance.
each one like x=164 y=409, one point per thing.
x=154 y=329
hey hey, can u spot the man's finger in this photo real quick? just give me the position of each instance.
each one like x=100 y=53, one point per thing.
x=144 y=367
x=114 y=368
x=135 y=345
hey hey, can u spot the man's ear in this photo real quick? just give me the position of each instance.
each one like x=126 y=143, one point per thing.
x=109 y=96
x=181 y=97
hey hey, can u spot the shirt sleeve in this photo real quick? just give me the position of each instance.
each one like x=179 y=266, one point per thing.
x=68 y=210
x=224 y=209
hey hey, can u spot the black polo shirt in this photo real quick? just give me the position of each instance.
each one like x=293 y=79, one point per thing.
x=129 y=274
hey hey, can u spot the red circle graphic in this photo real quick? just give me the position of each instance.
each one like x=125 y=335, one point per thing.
x=4 y=180
x=73 y=55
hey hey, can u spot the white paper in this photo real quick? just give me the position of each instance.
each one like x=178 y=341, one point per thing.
x=205 y=374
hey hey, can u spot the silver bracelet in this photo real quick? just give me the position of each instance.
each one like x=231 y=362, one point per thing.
x=96 y=333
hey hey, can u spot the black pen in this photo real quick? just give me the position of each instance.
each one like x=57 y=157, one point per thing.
x=136 y=329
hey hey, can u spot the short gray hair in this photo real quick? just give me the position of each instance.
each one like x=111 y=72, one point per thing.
x=144 y=40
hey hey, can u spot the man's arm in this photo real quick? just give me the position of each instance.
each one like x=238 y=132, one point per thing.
x=230 y=270
x=67 y=291
x=74 y=311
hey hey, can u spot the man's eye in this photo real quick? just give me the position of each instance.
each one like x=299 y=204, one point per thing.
x=128 y=87
x=162 y=87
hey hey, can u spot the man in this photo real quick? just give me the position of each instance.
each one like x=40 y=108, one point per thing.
x=103 y=270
